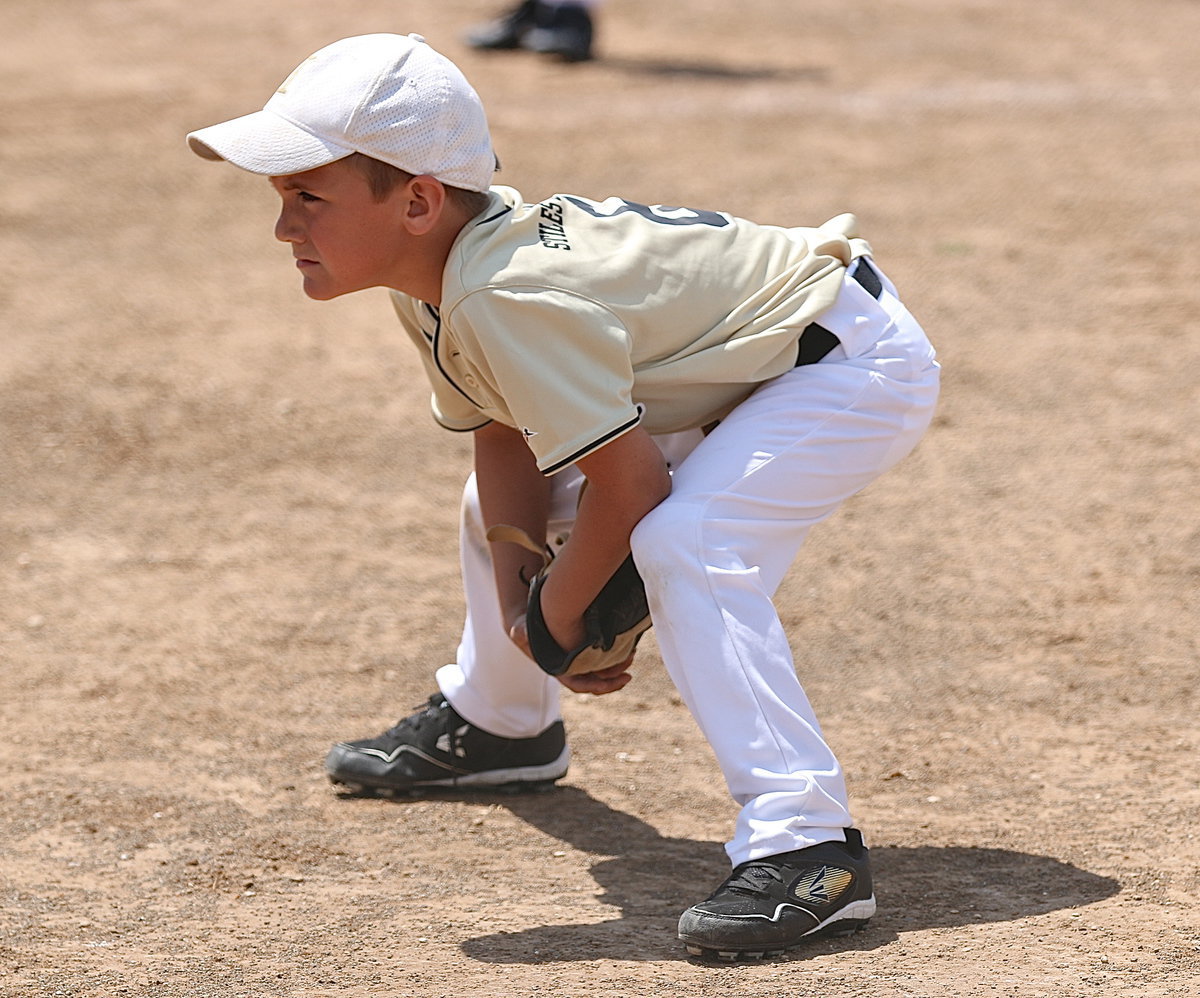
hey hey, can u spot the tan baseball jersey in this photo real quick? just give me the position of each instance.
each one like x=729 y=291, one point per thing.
x=574 y=320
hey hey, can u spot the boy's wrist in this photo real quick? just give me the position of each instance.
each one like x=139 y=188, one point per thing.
x=565 y=626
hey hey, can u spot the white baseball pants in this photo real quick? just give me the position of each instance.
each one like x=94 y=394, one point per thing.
x=743 y=500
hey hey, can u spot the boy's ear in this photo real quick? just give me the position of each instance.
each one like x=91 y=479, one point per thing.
x=422 y=203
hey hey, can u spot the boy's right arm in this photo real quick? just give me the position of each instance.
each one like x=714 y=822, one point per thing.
x=513 y=491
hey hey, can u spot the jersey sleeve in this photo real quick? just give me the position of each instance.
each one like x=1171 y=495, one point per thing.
x=560 y=362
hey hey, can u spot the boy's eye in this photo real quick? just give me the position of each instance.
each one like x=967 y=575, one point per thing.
x=305 y=196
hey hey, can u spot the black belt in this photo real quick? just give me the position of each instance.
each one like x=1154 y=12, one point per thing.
x=816 y=341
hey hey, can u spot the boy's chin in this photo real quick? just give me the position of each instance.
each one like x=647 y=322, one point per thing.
x=318 y=293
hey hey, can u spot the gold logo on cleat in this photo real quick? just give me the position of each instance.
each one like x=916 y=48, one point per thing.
x=822 y=885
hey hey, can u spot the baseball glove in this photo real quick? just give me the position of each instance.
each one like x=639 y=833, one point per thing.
x=613 y=623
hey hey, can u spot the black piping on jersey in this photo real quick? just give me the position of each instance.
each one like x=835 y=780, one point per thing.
x=466 y=429
x=491 y=218
x=597 y=443
x=435 y=339
x=434 y=343
x=436 y=316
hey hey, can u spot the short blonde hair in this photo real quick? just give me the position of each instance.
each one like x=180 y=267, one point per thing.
x=383 y=178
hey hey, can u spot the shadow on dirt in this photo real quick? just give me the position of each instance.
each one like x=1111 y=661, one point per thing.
x=713 y=71
x=651 y=879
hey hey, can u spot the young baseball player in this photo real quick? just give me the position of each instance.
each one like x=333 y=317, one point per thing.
x=722 y=387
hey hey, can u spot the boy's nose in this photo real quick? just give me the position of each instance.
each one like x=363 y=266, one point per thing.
x=285 y=229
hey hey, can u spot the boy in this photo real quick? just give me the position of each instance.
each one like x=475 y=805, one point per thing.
x=722 y=386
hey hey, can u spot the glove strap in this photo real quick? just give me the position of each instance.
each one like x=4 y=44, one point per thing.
x=506 y=533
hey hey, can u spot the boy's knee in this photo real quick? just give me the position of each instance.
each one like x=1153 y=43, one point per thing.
x=664 y=536
x=470 y=514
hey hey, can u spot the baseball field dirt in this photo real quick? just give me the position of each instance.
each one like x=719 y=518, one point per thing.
x=228 y=524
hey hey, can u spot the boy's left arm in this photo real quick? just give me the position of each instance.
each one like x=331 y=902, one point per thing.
x=626 y=478
x=511 y=491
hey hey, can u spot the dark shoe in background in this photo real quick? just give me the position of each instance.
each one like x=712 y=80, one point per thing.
x=562 y=30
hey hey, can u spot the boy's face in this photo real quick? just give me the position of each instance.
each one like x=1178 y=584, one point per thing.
x=342 y=238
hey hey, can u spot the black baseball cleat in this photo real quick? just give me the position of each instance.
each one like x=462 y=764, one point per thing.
x=507 y=31
x=436 y=748
x=771 y=904
x=564 y=30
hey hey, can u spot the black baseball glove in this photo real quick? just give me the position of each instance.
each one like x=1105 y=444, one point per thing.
x=613 y=623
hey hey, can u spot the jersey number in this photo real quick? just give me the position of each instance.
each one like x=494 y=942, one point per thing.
x=662 y=214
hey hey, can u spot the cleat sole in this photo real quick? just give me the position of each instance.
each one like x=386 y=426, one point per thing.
x=518 y=787
x=842 y=927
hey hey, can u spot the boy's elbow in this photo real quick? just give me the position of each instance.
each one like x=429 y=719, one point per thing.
x=661 y=488
x=647 y=491
x=631 y=495
x=628 y=474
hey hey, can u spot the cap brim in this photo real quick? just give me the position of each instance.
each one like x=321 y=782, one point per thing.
x=266 y=143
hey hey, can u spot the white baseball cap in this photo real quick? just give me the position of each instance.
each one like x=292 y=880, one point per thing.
x=391 y=97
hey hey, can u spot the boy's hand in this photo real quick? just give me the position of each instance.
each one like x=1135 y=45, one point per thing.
x=591 y=609
x=608 y=680
x=520 y=636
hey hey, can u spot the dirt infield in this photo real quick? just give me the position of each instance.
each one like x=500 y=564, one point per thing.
x=228 y=526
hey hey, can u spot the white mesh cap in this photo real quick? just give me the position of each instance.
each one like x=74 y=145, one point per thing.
x=388 y=96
